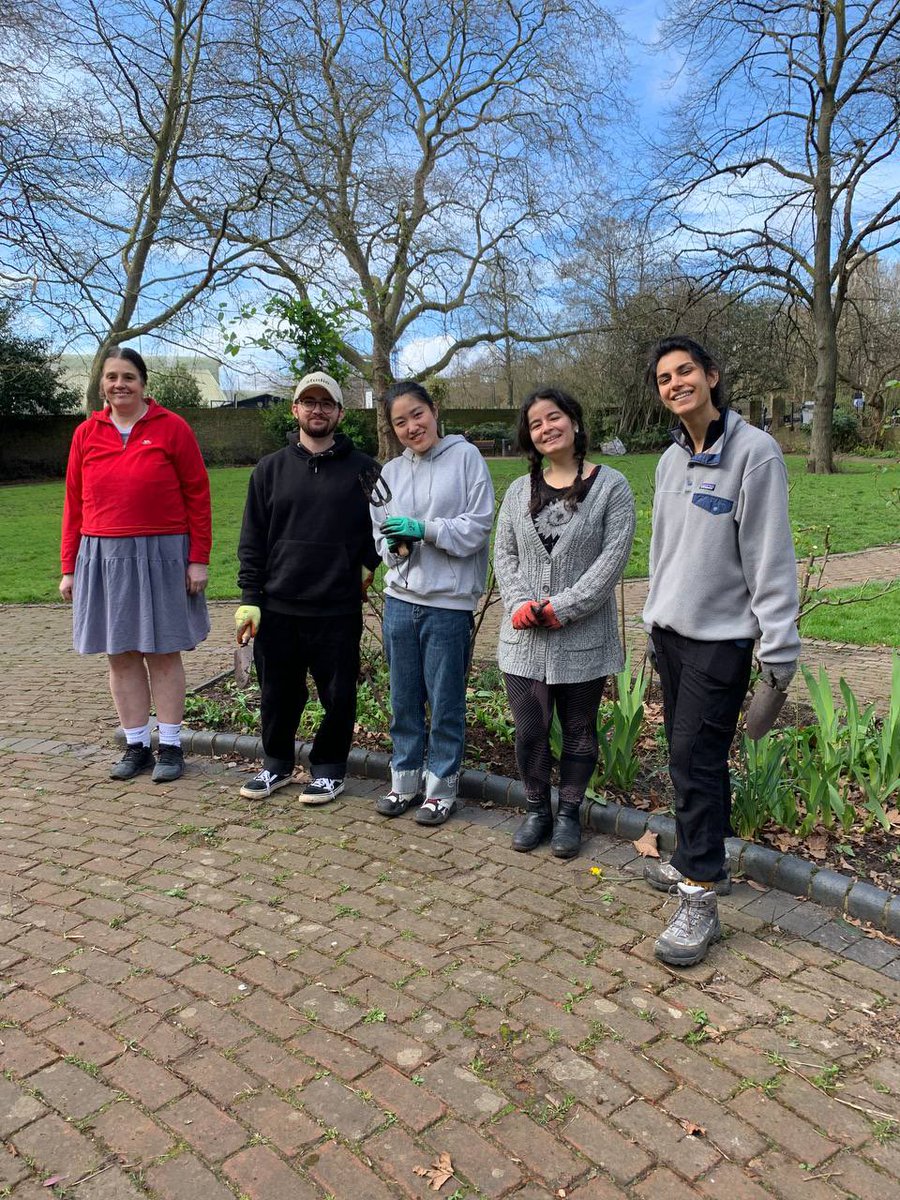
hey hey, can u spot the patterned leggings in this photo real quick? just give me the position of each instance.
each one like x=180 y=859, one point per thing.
x=532 y=702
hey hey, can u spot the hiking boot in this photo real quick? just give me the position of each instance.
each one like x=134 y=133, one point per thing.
x=320 y=790
x=169 y=765
x=435 y=811
x=566 y=840
x=265 y=783
x=692 y=930
x=663 y=876
x=395 y=804
x=537 y=825
x=137 y=758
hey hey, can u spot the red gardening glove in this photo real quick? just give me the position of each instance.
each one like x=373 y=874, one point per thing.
x=525 y=616
x=548 y=617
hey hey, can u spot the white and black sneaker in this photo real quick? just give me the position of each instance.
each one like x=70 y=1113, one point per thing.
x=264 y=784
x=320 y=790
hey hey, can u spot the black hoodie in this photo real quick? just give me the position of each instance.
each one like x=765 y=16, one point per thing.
x=307 y=531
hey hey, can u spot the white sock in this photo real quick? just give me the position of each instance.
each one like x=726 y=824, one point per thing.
x=169 y=735
x=140 y=733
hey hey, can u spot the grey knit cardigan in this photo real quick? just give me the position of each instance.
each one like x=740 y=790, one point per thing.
x=579 y=579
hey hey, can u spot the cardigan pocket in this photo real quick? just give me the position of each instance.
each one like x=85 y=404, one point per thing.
x=716 y=505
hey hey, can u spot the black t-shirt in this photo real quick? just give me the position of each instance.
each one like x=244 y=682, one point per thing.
x=553 y=515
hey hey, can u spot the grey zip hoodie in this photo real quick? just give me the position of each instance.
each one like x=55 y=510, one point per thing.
x=722 y=563
x=448 y=488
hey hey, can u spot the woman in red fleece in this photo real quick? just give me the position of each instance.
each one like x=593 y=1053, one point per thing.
x=136 y=536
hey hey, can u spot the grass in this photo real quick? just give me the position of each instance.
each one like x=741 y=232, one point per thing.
x=870 y=623
x=861 y=505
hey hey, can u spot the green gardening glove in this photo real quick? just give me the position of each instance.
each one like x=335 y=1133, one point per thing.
x=403 y=528
x=246 y=623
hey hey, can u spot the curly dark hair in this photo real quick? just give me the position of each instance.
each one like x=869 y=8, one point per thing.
x=698 y=353
x=570 y=406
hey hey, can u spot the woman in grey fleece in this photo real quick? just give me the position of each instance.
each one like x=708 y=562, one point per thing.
x=722 y=574
x=437 y=555
x=563 y=538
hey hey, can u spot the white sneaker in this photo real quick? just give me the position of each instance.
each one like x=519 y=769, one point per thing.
x=320 y=790
x=264 y=784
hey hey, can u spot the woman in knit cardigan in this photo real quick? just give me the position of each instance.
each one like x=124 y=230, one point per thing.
x=563 y=538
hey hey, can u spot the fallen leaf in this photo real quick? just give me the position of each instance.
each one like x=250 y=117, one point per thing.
x=646 y=845
x=53 y=1180
x=757 y=887
x=438 y=1173
x=693 y=1130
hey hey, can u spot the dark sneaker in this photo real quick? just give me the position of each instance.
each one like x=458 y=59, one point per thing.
x=169 y=764
x=435 y=811
x=320 y=790
x=663 y=876
x=692 y=930
x=395 y=805
x=264 y=784
x=136 y=758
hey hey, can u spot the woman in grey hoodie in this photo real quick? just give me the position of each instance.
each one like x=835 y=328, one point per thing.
x=437 y=555
x=563 y=538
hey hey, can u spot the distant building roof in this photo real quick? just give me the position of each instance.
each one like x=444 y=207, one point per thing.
x=76 y=370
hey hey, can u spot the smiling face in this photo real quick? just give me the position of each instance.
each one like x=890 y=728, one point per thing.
x=122 y=387
x=685 y=388
x=551 y=430
x=415 y=423
x=317 y=414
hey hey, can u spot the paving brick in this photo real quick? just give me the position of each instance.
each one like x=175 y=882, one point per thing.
x=396 y=1155
x=84 y=1040
x=282 y=1124
x=663 y=1182
x=131 y=1133
x=70 y=1090
x=17 y=1108
x=213 y=1074
x=737 y=1140
x=212 y=1133
x=336 y=1106
x=275 y=1064
x=155 y=1036
x=461 y=1090
x=644 y=1077
x=340 y=1173
x=104 y=1005
x=186 y=1178
x=216 y=1025
x=728 y=1182
x=604 y=1147
x=22 y=1054
x=414 y=1105
x=475 y=1158
x=261 y=1175
x=334 y=1052
x=649 y=1127
x=111 y=1184
x=55 y=1146
x=540 y=1150
x=144 y=1080
x=783 y=1127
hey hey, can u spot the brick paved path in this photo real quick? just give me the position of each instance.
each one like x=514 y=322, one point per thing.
x=204 y=999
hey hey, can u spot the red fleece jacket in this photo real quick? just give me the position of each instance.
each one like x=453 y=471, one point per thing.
x=155 y=484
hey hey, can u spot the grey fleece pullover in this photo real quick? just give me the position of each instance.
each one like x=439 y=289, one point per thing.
x=449 y=489
x=722 y=563
x=579 y=579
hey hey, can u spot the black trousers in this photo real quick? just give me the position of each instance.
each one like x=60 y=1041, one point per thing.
x=284 y=650
x=704 y=685
x=532 y=702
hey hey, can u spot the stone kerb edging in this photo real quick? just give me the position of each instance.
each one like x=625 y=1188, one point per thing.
x=763 y=865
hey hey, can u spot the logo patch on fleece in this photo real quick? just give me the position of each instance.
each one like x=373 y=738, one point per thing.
x=708 y=487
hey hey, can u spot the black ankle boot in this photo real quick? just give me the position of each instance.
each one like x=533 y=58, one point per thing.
x=566 y=840
x=537 y=826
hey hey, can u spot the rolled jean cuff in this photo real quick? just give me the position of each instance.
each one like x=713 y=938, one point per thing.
x=406 y=783
x=437 y=788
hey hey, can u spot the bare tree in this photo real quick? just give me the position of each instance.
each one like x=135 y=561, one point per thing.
x=870 y=338
x=426 y=141
x=113 y=130
x=777 y=161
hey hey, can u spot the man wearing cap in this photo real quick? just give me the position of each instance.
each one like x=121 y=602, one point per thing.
x=306 y=556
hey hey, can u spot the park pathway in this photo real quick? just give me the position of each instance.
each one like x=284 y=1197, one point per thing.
x=204 y=998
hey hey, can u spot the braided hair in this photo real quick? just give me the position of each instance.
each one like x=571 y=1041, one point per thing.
x=566 y=404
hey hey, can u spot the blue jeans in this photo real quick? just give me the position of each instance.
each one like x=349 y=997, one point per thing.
x=428 y=655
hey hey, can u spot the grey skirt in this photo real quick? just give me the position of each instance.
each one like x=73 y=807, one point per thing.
x=129 y=594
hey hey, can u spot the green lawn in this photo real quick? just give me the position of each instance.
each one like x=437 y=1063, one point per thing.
x=860 y=505
x=873 y=622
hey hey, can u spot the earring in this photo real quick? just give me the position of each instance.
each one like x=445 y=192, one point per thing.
x=577 y=428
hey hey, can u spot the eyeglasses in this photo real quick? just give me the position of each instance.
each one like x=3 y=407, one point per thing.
x=309 y=405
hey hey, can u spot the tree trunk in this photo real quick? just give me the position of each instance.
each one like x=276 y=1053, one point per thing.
x=382 y=378
x=821 y=459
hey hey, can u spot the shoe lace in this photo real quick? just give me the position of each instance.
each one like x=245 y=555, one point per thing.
x=323 y=781
x=689 y=913
x=266 y=777
x=135 y=750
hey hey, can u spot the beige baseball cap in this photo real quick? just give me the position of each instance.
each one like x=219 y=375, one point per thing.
x=321 y=380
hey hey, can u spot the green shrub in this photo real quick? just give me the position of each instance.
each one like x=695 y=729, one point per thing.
x=844 y=430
